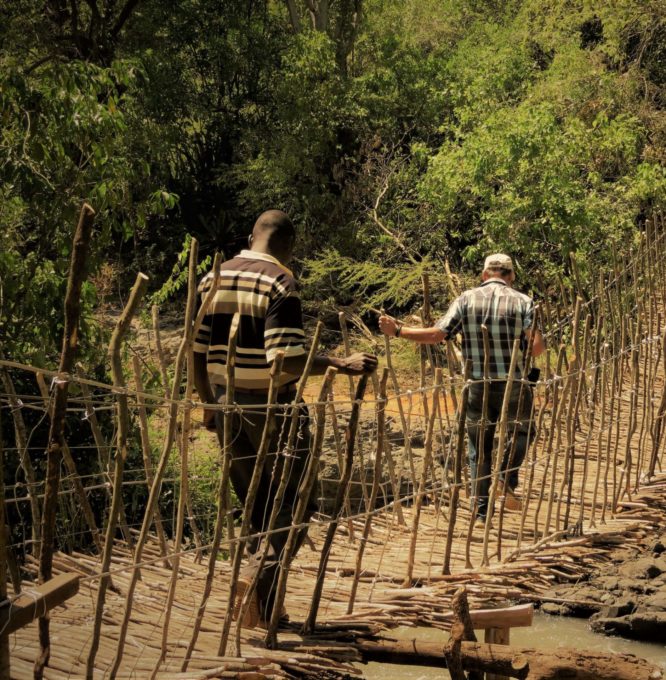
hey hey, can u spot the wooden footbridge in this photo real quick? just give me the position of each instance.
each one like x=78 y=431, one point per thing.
x=143 y=602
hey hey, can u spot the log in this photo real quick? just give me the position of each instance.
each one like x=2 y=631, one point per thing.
x=34 y=602
x=515 y=662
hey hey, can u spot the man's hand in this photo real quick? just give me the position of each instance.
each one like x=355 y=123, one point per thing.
x=209 y=419
x=358 y=364
x=388 y=325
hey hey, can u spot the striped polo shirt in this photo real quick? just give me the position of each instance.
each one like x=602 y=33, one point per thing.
x=265 y=294
x=504 y=311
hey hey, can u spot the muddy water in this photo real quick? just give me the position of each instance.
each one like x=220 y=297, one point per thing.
x=547 y=632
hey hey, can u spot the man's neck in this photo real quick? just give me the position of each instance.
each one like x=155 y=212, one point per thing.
x=497 y=279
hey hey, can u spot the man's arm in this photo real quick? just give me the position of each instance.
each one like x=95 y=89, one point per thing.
x=423 y=336
x=204 y=389
x=354 y=364
x=538 y=344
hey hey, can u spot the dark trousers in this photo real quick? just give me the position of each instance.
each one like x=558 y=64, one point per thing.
x=247 y=430
x=481 y=434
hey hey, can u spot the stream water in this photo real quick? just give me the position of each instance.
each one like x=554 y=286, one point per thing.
x=546 y=632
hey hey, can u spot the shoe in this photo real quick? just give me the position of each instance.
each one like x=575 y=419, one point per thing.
x=511 y=502
x=252 y=615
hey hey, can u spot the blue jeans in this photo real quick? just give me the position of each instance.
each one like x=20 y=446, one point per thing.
x=481 y=435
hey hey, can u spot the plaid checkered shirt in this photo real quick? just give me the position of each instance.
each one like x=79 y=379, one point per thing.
x=505 y=312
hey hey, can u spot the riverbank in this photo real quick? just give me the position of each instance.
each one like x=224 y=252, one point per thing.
x=624 y=597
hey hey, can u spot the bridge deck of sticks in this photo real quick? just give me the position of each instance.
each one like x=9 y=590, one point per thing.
x=592 y=479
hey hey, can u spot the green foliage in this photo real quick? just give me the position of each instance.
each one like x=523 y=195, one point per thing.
x=369 y=285
x=71 y=132
x=178 y=279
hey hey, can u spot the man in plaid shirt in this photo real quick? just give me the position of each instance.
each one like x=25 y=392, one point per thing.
x=508 y=315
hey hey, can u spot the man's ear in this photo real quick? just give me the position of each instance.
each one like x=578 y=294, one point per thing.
x=250 y=240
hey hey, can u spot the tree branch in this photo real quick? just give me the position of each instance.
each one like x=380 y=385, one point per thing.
x=124 y=15
x=293 y=15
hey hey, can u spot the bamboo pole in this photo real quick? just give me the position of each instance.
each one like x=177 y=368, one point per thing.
x=21 y=437
x=381 y=428
x=4 y=554
x=359 y=445
x=287 y=456
x=276 y=370
x=658 y=425
x=457 y=477
x=404 y=422
x=418 y=500
x=166 y=386
x=159 y=471
x=501 y=443
x=188 y=333
x=121 y=329
x=146 y=450
x=70 y=343
x=71 y=469
x=339 y=453
x=350 y=440
x=304 y=494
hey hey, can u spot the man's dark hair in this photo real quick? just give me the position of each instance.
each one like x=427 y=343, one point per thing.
x=275 y=227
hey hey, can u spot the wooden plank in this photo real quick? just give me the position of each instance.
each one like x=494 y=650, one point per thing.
x=498 y=636
x=35 y=602
x=519 y=616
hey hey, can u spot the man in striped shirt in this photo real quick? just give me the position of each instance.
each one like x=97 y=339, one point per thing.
x=508 y=316
x=258 y=286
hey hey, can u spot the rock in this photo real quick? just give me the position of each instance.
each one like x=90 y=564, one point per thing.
x=643 y=568
x=649 y=626
x=620 y=607
x=552 y=608
x=658 y=548
x=609 y=582
x=656 y=601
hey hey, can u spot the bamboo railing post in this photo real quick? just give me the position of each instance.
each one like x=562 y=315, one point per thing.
x=304 y=495
x=157 y=480
x=286 y=455
x=501 y=443
x=381 y=428
x=525 y=369
x=70 y=343
x=188 y=333
x=457 y=474
x=615 y=395
x=361 y=461
x=340 y=458
x=147 y=453
x=103 y=449
x=420 y=493
x=557 y=392
x=632 y=425
x=276 y=370
x=4 y=639
x=658 y=425
x=407 y=444
x=390 y=462
x=21 y=437
x=71 y=468
x=350 y=440
x=580 y=367
x=480 y=448
x=166 y=387
x=121 y=329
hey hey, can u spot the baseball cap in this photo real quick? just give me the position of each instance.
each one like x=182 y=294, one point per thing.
x=498 y=260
